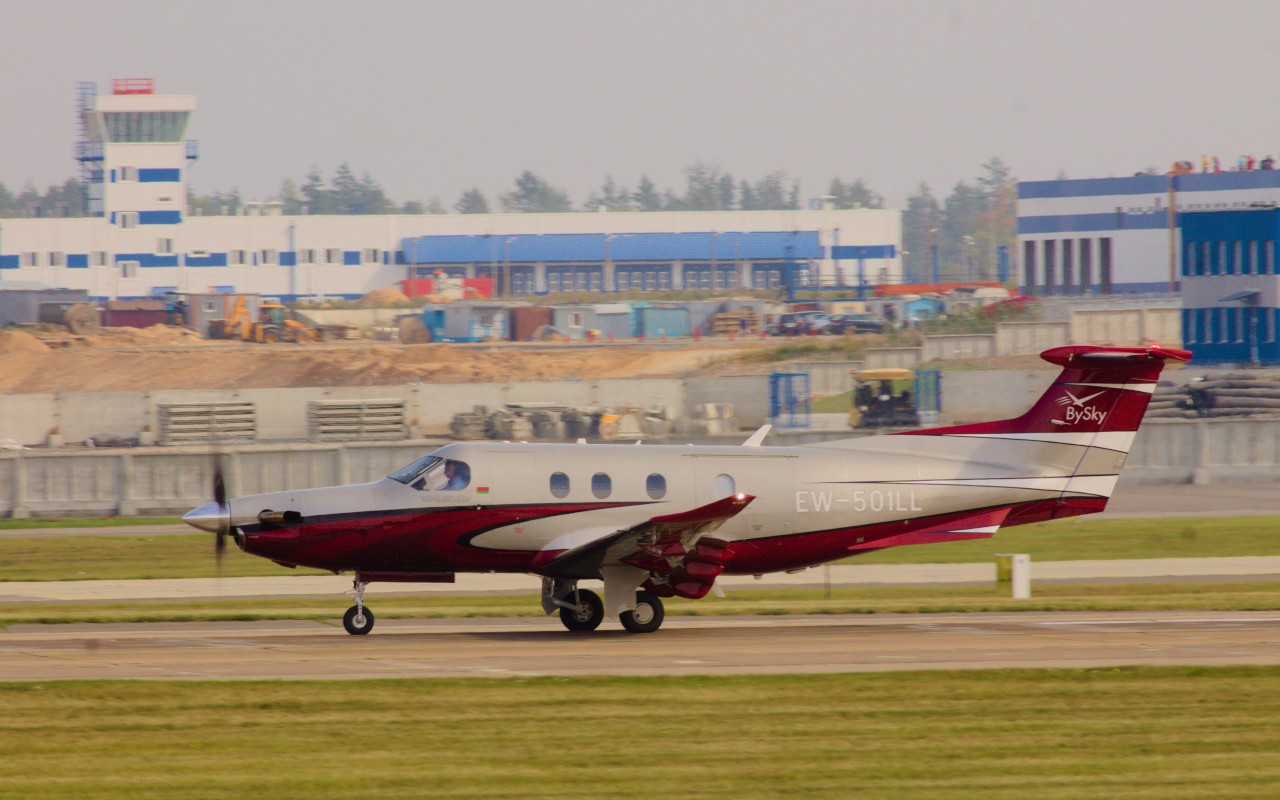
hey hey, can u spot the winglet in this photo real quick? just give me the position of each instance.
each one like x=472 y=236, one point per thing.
x=758 y=437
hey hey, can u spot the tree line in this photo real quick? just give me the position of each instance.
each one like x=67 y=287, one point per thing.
x=962 y=233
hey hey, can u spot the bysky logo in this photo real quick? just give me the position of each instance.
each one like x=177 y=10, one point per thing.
x=1076 y=411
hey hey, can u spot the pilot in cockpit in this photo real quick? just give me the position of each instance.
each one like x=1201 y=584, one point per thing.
x=436 y=474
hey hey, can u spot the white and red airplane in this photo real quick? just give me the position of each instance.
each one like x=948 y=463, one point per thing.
x=656 y=521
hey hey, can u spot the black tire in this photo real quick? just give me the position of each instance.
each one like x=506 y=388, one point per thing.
x=358 y=624
x=588 y=614
x=648 y=614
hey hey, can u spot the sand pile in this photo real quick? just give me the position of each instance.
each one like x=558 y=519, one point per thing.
x=19 y=342
x=379 y=298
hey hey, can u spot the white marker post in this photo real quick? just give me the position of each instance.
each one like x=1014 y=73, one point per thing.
x=1013 y=575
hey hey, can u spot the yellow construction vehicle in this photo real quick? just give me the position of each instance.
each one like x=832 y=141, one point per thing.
x=275 y=323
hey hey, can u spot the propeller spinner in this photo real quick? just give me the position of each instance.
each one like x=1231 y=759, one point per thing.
x=214 y=517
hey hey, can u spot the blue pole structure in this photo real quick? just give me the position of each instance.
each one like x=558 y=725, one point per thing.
x=862 y=279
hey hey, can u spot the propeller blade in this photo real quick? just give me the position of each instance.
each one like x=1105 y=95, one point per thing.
x=224 y=511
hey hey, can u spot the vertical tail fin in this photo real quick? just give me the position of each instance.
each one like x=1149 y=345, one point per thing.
x=1092 y=410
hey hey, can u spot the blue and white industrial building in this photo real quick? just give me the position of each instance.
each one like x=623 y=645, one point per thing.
x=1113 y=235
x=140 y=239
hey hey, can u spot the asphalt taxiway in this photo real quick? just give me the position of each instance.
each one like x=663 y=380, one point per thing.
x=685 y=645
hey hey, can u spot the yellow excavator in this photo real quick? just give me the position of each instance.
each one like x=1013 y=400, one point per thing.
x=275 y=323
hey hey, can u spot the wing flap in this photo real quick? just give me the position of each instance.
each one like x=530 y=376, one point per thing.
x=654 y=541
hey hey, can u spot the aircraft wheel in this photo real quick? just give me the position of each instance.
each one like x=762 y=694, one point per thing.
x=648 y=614
x=358 y=621
x=587 y=615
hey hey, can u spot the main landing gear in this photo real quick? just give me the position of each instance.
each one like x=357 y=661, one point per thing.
x=358 y=620
x=582 y=610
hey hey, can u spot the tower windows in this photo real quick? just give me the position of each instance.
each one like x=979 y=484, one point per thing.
x=128 y=219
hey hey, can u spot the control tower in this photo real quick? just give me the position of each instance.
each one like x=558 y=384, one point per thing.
x=132 y=153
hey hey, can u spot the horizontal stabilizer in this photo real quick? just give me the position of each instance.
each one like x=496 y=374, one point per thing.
x=981 y=525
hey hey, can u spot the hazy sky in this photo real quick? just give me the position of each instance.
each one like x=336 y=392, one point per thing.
x=432 y=98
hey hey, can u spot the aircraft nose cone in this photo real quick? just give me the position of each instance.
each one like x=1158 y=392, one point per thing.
x=209 y=517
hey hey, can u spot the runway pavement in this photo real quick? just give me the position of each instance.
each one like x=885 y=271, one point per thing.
x=685 y=645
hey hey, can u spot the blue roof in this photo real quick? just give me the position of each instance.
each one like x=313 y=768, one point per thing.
x=578 y=247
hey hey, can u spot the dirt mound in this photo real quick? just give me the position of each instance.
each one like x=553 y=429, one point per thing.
x=19 y=342
x=155 y=336
x=390 y=296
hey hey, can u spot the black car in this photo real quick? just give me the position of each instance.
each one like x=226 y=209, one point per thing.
x=799 y=323
x=853 y=323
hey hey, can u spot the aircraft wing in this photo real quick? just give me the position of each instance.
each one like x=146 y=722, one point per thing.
x=653 y=544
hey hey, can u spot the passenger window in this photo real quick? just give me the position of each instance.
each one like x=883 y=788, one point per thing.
x=724 y=486
x=601 y=485
x=559 y=484
x=656 y=486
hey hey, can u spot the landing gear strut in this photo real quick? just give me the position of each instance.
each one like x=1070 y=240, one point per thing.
x=358 y=620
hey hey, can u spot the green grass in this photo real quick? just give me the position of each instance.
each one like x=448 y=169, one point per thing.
x=70 y=558
x=58 y=558
x=1153 y=596
x=996 y=735
x=1086 y=538
x=84 y=522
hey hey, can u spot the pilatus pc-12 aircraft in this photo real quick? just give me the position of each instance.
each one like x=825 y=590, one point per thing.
x=655 y=521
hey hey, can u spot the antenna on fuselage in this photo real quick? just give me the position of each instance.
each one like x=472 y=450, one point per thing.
x=758 y=437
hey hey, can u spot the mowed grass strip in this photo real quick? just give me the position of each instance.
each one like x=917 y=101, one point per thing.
x=40 y=523
x=60 y=558
x=1010 y=734
x=1242 y=596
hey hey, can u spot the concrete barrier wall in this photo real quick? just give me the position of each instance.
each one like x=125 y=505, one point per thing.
x=174 y=480
x=1016 y=338
x=960 y=346
x=1127 y=327
x=282 y=413
x=982 y=395
x=828 y=377
x=748 y=393
x=904 y=357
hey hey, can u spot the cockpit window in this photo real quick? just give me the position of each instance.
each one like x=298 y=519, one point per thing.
x=415 y=470
x=432 y=473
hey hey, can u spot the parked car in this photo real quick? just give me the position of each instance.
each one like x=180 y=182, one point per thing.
x=854 y=323
x=799 y=323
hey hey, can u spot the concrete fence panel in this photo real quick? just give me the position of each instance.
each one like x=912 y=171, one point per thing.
x=978 y=345
x=1017 y=338
x=903 y=357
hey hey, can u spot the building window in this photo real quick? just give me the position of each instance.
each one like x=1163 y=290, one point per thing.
x=1206 y=259
x=1269 y=257
x=370 y=255
x=128 y=219
x=1224 y=263
x=333 y=255
x=164 y=247
x=1029 y=266
x=1086 y=265
x=596 y=279
x=1068 y=267
x=236 y=257
x=1239 y=314
x=269 y=256
x=128 y=174
x=129 y=269
x=623 y=281
x=1224 y=329
x=29 y=259
x=1050 y=265
x=57 y=259
x=1104 y=265
x=664 y=280
x=559 y=484
x=601 y=485
x=1189 y=260
x=1237 y=258
x=656 y=486
x=1190 y=316
x=1253 y=258
x=1271 y=324
x=307 y=256
x=576 y=319
x=98 y=258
